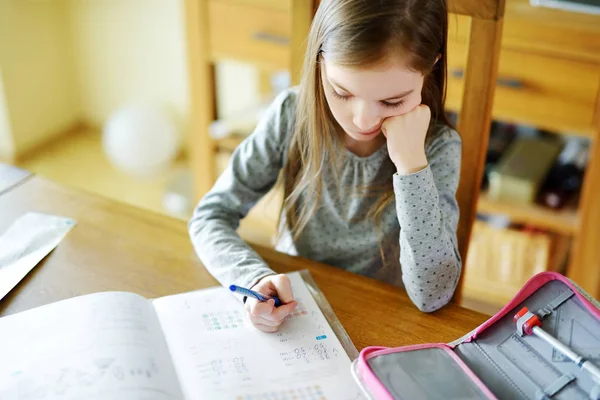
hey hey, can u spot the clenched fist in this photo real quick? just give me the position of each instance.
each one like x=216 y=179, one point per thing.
x=406 y=139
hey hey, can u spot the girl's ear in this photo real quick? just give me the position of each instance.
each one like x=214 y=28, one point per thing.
x=437 y=58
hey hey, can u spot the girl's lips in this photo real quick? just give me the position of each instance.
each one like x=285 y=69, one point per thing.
x=370 y=132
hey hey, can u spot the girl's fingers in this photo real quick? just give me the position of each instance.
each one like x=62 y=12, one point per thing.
x=264 y=315
x=283 y=311
x=276 y=317
x=266 y=328
x=283 y=287
x=264 y=321
x=261 y=307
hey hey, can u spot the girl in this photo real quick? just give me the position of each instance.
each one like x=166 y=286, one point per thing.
x=369 y=162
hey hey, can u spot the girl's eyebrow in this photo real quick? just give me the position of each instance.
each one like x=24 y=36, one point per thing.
x=401 y=95
x=398 y=96
x=334 y=83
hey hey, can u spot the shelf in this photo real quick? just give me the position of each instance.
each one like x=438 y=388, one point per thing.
x=229 y=143
x=501 y=261
x=564 y=221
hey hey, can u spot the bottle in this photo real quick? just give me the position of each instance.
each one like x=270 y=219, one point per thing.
x=501 y=135
x=566 y=176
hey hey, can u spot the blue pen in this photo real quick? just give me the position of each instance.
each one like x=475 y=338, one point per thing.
x=252 y=293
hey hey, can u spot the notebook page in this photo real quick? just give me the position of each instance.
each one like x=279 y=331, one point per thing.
x=98 y=346
x=218 y=354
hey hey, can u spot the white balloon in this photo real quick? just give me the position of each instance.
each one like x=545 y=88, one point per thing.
x=140 y=140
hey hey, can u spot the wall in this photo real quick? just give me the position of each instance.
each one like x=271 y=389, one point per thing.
x=38 y=91
x=69 y=61
x=6 y=142
x=129 y=51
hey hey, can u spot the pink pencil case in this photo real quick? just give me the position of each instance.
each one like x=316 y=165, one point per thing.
x=495 y=361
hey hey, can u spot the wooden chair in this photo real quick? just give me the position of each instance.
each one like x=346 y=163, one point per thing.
x=476 y=111
x=474 y=118
x=291 y=18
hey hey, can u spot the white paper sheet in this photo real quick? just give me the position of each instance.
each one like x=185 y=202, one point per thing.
x=218 y=354
x=26 y=242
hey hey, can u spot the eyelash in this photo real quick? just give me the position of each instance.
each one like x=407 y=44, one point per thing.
x=393 y=105
x=339 y=96
x=385 y=104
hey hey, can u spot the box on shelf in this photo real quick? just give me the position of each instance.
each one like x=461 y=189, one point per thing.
x=501 y=260
x=522 y=169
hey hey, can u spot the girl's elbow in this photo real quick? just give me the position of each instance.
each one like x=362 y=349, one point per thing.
x=426 y=307
x=194 y=225
x=432 y=304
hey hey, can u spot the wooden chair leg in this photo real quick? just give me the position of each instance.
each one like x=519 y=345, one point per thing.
x=474 y=124
x=584 y=267
x=201 y=146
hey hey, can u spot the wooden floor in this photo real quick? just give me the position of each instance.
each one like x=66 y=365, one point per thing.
x=78 y=160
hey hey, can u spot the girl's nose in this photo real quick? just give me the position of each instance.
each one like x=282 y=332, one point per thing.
x=365 y=117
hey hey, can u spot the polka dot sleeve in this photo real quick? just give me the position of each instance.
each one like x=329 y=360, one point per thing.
x=252 y=171
x=428 y=215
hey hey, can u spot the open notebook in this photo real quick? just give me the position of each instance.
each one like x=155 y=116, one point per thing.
x=197 y=345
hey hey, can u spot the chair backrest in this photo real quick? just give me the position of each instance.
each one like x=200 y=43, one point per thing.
x=476 y=111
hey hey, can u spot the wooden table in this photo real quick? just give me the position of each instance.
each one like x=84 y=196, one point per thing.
x=118 y=247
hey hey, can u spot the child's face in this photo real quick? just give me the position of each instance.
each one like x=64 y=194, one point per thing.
x=360 y=99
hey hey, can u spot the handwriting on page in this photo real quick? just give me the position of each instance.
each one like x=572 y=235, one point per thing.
x=303 y=355
x=214 y=352
x=299 y=311
x=87 y=377
x=228 y=320
x=313 y=392
x=108 y=343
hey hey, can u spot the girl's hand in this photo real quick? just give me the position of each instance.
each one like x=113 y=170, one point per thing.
x=406 y=139
x=264 y=315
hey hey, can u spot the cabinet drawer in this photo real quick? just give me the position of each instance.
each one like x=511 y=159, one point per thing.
x=550 y=31
x=282 y=5
x=253 y=34
x=571 y=41
x=551 y=93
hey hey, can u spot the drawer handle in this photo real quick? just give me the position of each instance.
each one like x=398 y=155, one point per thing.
x=506 y=82
x=271 y=38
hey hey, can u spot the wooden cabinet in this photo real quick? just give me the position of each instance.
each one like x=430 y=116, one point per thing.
x=549 y=69
x=259 y=35
x=548 y=77
x=280 y=5
x=548 y=92
x=268 y=33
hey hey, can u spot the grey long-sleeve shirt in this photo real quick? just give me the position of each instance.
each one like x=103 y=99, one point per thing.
x=418 y=228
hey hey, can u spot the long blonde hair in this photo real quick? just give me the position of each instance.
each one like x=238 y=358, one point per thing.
x=357 y=33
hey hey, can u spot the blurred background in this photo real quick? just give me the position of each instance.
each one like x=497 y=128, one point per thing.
x=143 y=101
